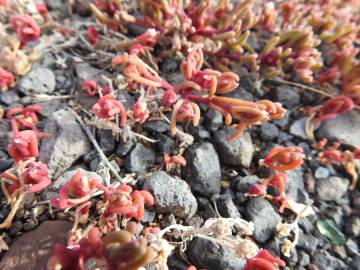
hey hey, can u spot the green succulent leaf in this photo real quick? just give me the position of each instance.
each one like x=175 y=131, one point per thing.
x=328 y=228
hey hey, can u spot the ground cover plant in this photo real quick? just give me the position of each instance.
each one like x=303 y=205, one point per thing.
x=174 y=134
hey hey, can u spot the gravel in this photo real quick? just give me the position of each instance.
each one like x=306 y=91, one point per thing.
x=226 y=206
x=202 y=170
x=66 y=145
x=331 y=189
x=37 y=81
x=206 y=254
x=238 y=152
x=171 y=195
x=264 y=217
x=287 y=95
x=269 y=131
x=140 y=159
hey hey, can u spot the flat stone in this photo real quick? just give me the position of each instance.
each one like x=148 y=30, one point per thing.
x=33 y=249
x=171 y=195
x=67 y=143
x=344 y=128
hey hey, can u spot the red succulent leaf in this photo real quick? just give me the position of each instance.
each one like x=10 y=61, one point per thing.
x=257 y=190
x=24 y=145
x=331 y=156
x=6 y=79
x=356 y=153
x=66 y=258
x=26 y=28
x=284 y=158
x=43 y=11
x=108 y=106
x=92 y=246
x=36 y=175
x=278 y=180
x=168 y=98
x=92 y=35
x=263 y=261
x=332 y=107
x=91 y=87
x=329 y=75
x=140 y=112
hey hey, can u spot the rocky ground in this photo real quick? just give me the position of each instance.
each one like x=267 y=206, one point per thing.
x=214 y=181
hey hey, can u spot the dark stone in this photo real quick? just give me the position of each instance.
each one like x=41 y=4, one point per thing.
x=9 y=97
x=206 y=254
x=126 y=100
x=139 y=159
x=171 y=195
x=264 y=217
x=107 y=141
x=238 y=152
x=284 y=121
x=135 y=30
x=352 y=226
x=124 y=147
x=307 y=242
x=169 y=65
x=306 y=225
x=269 y=131
x=287 y=95
x=156 y=126
x=284 y=137
x=202 y=170
x=323 y=260
x=5 y=164
x=226 y=206
x=82 y=7
x=294 y=187
x=205 y=208
x=303 y=258
x=165 y=144
x=213 y=120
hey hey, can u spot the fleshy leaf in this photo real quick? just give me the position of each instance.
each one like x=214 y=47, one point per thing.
x=328 y=228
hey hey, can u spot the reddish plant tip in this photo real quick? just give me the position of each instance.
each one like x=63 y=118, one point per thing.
x=257 y=190
x=356 y=153
x=26 y=28
x=263 y=261
x=168 y=98
x=284 y=158
x=36 y=175
x=332 y=107
x=6 y=79
x=171 y=161
x=24 y=145
x=139 y=111
x=66 y=258
x=92 y=35
x=43 y=11
x=90 y=87
x=107 y=107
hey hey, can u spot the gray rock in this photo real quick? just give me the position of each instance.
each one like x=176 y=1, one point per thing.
x=307 y=242
x=344 y=128
x=298 y=128
x=269 y=131
x=205 y=208
x=355 y=264
x=322 y=172
x=202 y=170
x=50 y=106
x=206 y=254
x=169 y=65
x=352 y=227
x=123 y=148
x=66 y=145
x=284 y=121
x=127 y=100
x=306 y=225
x=66 y=177
x=331 y=189
x=323 y=260
x=243 y=183
x=294 y=187
x=107 y=141
x=226 y=206
x=156 y=126
x=9 y=97
x=351 y=247
x=148 y=216
x=238 y=152
x=5 y=164
x=165 y=144
x=213 y=120
x=303 y=258
x=287 y=95
x=265 y=218
x=86 y=72
x=171 y=195
x=38 y=81
x=139 y=159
